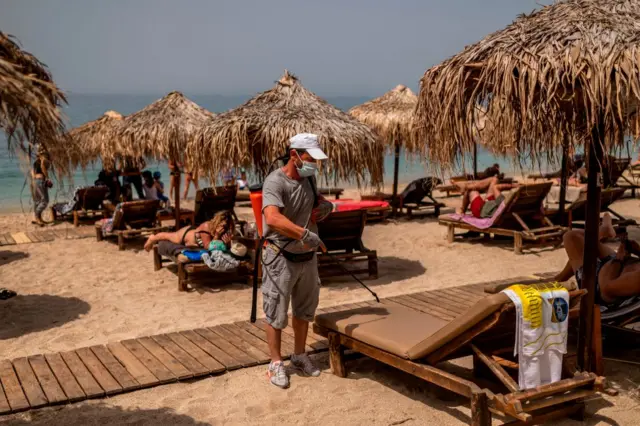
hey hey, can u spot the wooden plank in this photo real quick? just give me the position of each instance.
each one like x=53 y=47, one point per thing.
x=176 y=368
x=69 y=385
x=213 y=366
x=241 y=344
x=45 y=236
x=4 y=404
x=33 y=237
x=99 y=371
x=20 y=238
x=87 y=382
x=3 y=240
x=12 y=389
x=29 y=382
x=161 y=373
x=9 y=238
x=286 y=348
x=431 y=309
x=224 y=358
x=248 y=337
x=287 y=344
x=178 y=353
x=496 y=369
x=47 y=379
x=466 y=293
x=289 y=330
x=220 y=342
x=447 y=294
x=439 y=304
x=136 y=369
x=116 y=369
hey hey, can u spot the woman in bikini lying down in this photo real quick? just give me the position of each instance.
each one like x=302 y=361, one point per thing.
x=220 y=228
x=617 y=273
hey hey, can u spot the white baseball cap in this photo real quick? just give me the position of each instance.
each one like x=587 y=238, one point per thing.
x=308 y=142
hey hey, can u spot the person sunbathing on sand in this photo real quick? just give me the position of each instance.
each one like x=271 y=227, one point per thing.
x=617 y=273
x=219 y=230
x=471 y=197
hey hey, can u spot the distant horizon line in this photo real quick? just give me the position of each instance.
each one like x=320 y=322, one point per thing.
x=239 y=94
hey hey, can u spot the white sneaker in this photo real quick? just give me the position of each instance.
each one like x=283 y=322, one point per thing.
x=277 y=374
x=304 y=364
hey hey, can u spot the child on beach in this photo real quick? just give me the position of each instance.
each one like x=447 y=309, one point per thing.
x=160 y=188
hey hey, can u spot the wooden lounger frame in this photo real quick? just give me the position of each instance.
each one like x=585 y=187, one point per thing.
x=137 y=218
x=524 y=204
x=186 y=270
x=542 y=403
x=341 y=233
x=89 y=205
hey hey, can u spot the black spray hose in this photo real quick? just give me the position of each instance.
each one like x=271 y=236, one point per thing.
x=256 y=265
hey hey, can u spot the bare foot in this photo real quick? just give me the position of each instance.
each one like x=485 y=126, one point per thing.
x=606 y=229
x=149 y=244
x=459 y=210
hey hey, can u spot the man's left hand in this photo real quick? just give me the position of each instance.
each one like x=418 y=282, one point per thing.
x=323 y=210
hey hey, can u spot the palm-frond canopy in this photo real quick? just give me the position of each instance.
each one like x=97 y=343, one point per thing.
x=92 y=139
x=257 y=132
x=556 y=72
x=29 y=101
x=390 y=115
x=160 y=130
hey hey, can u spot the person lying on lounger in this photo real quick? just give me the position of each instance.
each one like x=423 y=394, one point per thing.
x=617 y=273
x=471 y=197
x=218 y=231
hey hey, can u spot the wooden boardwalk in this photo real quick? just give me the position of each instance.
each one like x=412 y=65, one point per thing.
x=97 y=371
x=66 y=233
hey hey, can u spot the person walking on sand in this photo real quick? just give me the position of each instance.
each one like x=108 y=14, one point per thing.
x=290 y=208
x=41 y=184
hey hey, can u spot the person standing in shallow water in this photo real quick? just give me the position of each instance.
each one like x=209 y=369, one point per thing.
x=40 y=184
x=290 y=208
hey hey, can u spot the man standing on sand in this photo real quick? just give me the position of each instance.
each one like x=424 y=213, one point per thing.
x=290 y=208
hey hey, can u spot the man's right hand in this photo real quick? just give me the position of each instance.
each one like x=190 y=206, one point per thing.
x=312 y=240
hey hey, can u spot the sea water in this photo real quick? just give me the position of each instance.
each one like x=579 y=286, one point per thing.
x=15 y=194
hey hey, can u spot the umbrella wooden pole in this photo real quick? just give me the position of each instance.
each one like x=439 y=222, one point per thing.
x=475 y=161
x=396 y=166
x=177 y=196
x=585 y=336
x=563 y=178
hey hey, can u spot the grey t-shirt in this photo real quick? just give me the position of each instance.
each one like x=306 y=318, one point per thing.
x=295 y=199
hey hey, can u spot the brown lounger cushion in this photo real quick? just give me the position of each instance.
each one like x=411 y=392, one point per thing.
x=387 y=326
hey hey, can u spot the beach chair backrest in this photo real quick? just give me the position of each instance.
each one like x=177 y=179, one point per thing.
x=210 y=201
x=137 y=214
x=343 y=230
x=526 y=201
x=91 y=198
x=614 y=171
x=419 y=188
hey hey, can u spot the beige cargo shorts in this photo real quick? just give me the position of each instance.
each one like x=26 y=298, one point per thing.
x=284 y=281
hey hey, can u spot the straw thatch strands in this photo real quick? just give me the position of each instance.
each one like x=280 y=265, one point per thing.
x=91 y=139
x=547 y=81
x=161 y=129
x=391 y=116
x=29 y=102
x=553 y=73
x=257 y=132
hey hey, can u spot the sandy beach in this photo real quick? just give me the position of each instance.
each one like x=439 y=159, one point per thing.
x=75 y=293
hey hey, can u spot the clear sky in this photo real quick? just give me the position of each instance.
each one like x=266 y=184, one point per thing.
x=348 y=47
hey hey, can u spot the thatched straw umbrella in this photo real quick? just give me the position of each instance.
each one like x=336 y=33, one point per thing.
x=92 y=139
x=257 y=133
x=29 y=101
x=161 y=130
x=567 y=69
x=391 y=116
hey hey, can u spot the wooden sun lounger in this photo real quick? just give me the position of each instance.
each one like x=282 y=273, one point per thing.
x=89 y=205
x=607 y=198
x=341 y=233
x=210 y=201
x=136 y=218
x=418 y=199
x=188 y=269
x=522 y=219
x=416 y=341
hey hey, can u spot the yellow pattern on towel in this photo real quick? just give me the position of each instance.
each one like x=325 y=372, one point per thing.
x=541 y=331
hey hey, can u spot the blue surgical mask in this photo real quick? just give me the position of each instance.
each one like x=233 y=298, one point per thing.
x=308 y=168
